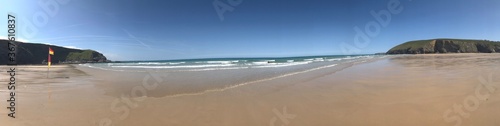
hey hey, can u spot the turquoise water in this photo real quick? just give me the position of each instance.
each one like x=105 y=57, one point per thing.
x=227 y=63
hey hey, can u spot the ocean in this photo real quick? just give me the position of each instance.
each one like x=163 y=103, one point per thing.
x=210 y=64
x=198 y=76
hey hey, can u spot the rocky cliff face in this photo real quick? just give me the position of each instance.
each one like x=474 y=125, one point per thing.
x=446 y=46
x=34 y=53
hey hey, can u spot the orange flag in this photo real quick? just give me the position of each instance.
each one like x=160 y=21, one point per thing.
x=51 y=52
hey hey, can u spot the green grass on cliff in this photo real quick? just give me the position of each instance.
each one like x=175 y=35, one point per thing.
x=449 y=46
x=78 y=56
x=413 y=45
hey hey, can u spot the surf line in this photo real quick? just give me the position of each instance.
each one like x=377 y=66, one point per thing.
x=250 y=82
x=257 y=81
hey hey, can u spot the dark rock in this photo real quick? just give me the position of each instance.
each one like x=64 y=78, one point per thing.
x=35 y=53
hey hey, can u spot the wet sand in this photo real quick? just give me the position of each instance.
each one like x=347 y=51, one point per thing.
x=398 y=90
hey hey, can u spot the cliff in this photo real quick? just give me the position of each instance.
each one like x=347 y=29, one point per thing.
x=35 y=53
x=446 y=46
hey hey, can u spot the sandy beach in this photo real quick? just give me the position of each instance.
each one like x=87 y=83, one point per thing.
x=410 y=90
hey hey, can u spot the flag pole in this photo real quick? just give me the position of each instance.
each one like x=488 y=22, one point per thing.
x=48 y=70
x=48 y=65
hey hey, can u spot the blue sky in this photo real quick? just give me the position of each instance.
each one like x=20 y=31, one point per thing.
x=180 y=29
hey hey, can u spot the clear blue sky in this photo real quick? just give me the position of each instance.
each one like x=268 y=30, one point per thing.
x=179 y=29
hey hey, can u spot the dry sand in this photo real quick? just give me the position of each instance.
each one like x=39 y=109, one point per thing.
x=412 y=90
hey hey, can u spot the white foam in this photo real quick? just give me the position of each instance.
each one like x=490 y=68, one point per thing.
x=222 y=64
x=318 y=59
x=283 y=64
x=186 y=66
x=336 y=59
x=176 y=63
x=94 y=67
x=260 y=63
x=209 y=69
x=152 y=63
x=219 y=62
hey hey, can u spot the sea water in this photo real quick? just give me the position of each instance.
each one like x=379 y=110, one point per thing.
x=209 y=64
x=198 y=76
